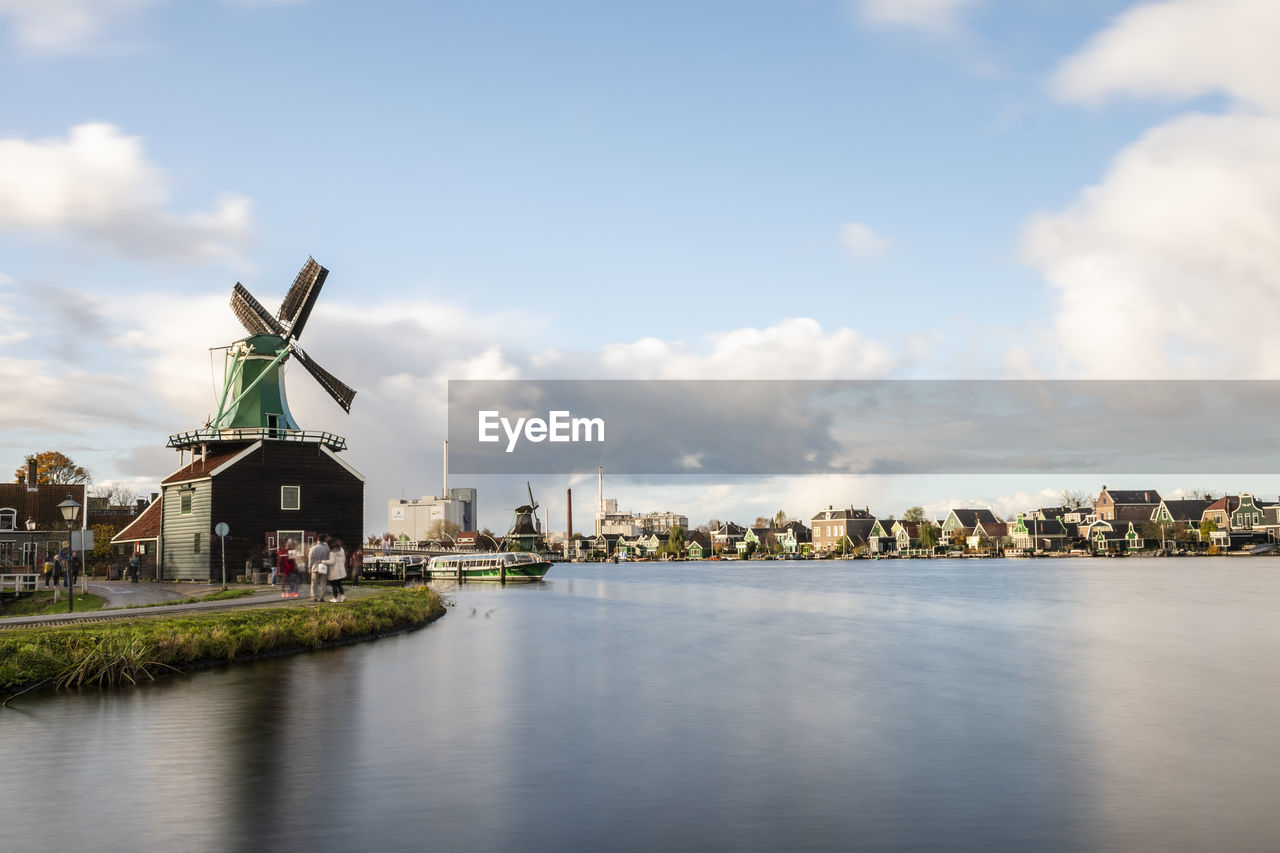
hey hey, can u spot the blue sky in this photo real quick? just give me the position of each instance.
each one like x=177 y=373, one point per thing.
x=941 y=188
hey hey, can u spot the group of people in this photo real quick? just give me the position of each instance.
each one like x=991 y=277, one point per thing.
x=326 y=563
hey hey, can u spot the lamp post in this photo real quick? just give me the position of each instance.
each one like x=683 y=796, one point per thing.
x=31 y=543
x=70 y=509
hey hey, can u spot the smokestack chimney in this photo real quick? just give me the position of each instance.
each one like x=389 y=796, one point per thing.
x=445 y=493
x=568 y=513
x=154 y=495
x=31 y=474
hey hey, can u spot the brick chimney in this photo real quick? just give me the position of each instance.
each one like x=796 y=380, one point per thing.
x=31 y=476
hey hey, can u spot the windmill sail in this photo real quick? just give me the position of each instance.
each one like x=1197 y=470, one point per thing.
x=249 y=311
x=342 y=393
x=301 y=298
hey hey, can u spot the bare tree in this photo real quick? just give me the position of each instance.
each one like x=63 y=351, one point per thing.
x=1072 y=498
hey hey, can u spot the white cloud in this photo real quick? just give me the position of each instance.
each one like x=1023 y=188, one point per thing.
x=932 y=16
x=96 y=184
x=1171 y=264
x=793 y=348
x=63 y=26
x=861 y=241
x=1182 y=49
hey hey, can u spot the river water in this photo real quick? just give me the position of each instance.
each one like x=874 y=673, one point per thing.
x=872 y=705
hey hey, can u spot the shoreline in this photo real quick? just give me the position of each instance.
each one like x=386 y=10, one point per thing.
x=129 y=651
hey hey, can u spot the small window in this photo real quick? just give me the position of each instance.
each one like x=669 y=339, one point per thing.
x=187 y=497
x=290 y=497
x=8 y=519
x=196 y=545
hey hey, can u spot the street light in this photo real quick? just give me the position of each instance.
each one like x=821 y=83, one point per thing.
x=70 y=509
x=31 y=541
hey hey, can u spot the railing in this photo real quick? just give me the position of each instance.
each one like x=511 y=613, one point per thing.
x=20 y=582
x=211 y=436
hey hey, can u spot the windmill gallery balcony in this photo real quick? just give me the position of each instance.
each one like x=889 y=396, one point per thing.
x=209 y=435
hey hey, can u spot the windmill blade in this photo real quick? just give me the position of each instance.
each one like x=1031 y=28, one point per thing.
x=342 y=393
x=533 y=505
x=301 y=298
x=249 y=311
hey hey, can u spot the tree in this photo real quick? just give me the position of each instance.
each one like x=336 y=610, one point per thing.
x=916 y=513
x=441 y=529
x=779 y=518
x=56 y=468
x=674 y=544
x=113 y=494
x=761 y=521
x=1072 y=498
x=928 y=535
x=1207 y=526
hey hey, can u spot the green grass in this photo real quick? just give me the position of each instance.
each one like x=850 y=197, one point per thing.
x=220 y=595
x=114 y=654
x=40 y=603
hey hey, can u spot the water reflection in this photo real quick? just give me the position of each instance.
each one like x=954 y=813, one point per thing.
x=986 y=705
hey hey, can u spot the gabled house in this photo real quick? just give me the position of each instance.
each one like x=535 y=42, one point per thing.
x=697 y=545
x=1189 y=512
x=832 y=526
x=881 y=538
x=1126 y=505
x=267 y=491
x=1040 y=530
x=793 y=537
x=29 y=501
x=961 y=522
x=989 y=534
x=726 y=537
x=1113 y=535
x=1248 y=514
x=757 y=536
x=1220 y=511
x=906 y=535
x=141 y=537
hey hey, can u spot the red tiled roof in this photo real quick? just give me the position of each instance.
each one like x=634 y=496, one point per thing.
x=145 y=526
x=41 y=505
x=201 y=467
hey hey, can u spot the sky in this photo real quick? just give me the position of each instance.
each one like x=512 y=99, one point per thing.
x=835 y=189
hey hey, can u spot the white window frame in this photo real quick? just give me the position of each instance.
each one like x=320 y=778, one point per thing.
x=297 y=493
x=186 y=501
x=11 y=515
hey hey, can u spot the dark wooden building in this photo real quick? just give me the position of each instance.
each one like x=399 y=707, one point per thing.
x=266 y=491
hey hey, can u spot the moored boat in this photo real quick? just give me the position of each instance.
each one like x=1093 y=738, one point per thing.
x=515 y=566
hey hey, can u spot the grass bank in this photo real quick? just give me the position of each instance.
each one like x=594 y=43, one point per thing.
x=41 y=602
x=115 y=654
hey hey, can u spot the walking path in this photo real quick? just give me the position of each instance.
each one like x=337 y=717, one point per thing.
x=121 y=594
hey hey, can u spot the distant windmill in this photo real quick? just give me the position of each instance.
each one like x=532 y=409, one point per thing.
x=523 y=535
x=253 y=393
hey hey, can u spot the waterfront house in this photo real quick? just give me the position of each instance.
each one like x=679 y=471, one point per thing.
x=697 y=545
x=1126 y=505
x=906 y=535
x=961 y=523
x=760 y=537
x=832 y=526
x=1248 y=514
x=1188 y=512
x=1114 y=535
x=987 y=534
x=880 y=538
x=1041 y=530
x=792 y=537
x=726 y=537
x=1220 y=511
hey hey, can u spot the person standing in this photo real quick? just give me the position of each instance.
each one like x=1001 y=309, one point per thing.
x=355 y=562
x=286 y=557
x=134 y=566
x=318 y=562
x=337 y=569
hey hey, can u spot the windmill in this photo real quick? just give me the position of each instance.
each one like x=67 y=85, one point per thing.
x=524 y=533
x=253 y=393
